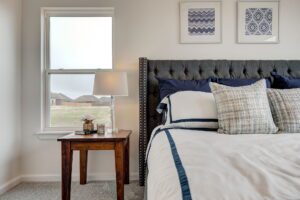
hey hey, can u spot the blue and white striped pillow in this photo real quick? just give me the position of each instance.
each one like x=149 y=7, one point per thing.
x=190 y=109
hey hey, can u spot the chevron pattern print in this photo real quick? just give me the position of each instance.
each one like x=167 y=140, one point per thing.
x=201 y=21
x=259 y=21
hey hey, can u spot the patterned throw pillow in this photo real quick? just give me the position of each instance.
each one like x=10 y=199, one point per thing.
x=243 y=110
x=285 y=106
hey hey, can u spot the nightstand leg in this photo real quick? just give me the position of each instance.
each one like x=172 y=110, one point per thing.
x=83 y=166
x=66 y=165
x=126 y=161
x=119 y=159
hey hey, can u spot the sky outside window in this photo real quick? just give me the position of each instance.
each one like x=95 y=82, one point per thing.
x=81 y=42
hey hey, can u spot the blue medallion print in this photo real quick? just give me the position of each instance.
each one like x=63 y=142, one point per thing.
x=201 y=21
x=258 y=21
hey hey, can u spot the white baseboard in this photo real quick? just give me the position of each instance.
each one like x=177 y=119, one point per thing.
x=10 y=184
x=57 y=178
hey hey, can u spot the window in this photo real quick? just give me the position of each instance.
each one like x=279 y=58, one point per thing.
x=75 y=44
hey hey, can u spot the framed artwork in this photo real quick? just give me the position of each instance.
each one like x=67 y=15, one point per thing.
x=200 y=22
x=258 y=22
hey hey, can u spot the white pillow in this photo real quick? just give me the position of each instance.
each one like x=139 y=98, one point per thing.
x=191 y=109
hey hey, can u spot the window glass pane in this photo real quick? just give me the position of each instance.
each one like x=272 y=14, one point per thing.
x=71 y=98
x=80 y=42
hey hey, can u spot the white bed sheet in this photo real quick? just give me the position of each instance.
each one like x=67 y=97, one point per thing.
x=231 y=167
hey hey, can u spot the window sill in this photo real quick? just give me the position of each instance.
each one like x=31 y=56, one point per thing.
x=51 y=135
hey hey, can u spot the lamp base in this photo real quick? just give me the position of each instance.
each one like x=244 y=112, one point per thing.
x=113 y=123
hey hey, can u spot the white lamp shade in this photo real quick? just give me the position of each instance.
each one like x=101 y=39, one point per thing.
x=111 y=84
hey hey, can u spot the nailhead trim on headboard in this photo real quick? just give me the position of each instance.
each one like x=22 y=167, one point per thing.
x=143 y=118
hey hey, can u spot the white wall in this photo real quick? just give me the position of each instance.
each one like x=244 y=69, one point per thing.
x=10 y=101
x=143 y=28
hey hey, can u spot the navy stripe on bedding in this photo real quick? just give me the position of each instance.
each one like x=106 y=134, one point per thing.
x=185 y=189
x=184 y=183
x=182 y=128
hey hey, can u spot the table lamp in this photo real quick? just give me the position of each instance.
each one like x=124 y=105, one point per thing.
x=111 y=84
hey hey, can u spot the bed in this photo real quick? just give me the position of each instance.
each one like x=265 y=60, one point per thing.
x=193 y=164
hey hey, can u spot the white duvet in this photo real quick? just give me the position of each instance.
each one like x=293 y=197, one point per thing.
x=231 y=167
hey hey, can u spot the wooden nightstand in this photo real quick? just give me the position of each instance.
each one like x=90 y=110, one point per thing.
x=119 y=142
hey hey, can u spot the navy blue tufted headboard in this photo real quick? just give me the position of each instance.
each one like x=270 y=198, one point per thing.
x=195 y=70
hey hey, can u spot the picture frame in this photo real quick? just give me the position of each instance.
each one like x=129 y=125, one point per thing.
x=258 y=22
x=200 y=22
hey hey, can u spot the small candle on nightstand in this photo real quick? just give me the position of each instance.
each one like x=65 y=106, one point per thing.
x=100 y=129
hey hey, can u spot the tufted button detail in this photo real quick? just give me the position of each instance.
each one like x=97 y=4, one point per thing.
x=186 y=71
x=259 y=71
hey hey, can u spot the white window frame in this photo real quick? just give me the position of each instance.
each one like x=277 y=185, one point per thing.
x=46 y=13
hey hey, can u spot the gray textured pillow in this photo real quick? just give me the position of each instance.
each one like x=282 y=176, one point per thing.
x=243 y=110
x=285 y=106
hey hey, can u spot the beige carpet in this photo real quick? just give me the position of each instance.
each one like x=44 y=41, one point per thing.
x=91 y=191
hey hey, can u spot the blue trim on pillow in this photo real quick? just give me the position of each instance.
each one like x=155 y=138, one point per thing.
x=184 y=183
x=195 y=120
x=161 y=107
x=196 y=129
